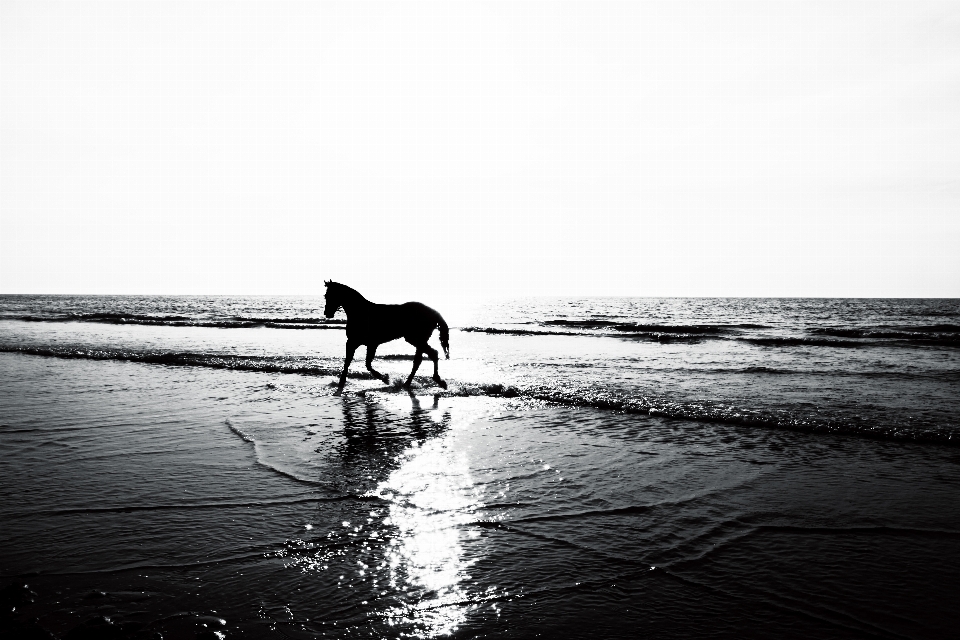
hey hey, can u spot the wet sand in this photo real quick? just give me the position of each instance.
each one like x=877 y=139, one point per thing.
x=141 y=500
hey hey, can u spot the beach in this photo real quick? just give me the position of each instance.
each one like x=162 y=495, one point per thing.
x=654 y=320
x=163 y=478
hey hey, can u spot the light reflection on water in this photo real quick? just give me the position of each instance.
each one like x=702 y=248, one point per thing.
x=404 y=561
x=431 y=498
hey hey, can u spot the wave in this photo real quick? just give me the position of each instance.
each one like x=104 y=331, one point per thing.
x=937 y=334
x=670 y=337
x=106 y=318
x=692 y=328
x=855 y=338
x=701 y=412
x=581 y=324
x=285 y=325
x=234 y=322
x=694 y=334
x=240 y=432
x=946 y=335
x=263 y=364
x=942 y=334
x=934 y=313
x=520 y=332
x=662 y=328
x=802 y=342
x=317 y=321
x=766 y=370
x=653 y=337
x=885 y=429
x=203 y=506
x=899 y=375
x=940 y=328
x=636 y=327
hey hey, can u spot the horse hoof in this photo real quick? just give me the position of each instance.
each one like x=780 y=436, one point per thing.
x=441 y=383
x=338 y=392
x=386 y=379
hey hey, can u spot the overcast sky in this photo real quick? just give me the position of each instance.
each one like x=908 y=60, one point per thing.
x=516 y=148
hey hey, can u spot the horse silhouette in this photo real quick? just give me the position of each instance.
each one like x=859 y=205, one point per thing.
x=372 y=324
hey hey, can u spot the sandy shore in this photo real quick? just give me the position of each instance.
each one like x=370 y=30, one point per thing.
x=140 y=500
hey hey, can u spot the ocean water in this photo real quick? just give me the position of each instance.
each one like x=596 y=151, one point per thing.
x=671 y=468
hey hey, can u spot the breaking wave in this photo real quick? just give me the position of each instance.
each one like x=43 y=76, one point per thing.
x=937 y=334
x=692 y=334
x=702 y=412
x=234 y=322
x=653 y=328
x=521 y=332
x=802 y=342
x=885 y=427
x=263 y=364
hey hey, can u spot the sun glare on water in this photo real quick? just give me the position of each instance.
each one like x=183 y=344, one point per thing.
x=407 y=560
x=432 y=497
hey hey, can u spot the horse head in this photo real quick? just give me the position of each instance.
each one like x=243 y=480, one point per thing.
x=333 y=301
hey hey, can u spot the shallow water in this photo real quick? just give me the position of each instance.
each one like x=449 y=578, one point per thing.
x=165 y=498
x=879 y=368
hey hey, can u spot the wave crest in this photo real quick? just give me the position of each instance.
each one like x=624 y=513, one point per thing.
x=234 y=322
x=654 y=406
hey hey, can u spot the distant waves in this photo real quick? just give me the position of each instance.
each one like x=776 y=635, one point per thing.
x=947 y=335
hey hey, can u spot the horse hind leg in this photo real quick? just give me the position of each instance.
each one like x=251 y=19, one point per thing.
x=417 y=359
x=371 y=352
x=432 y=353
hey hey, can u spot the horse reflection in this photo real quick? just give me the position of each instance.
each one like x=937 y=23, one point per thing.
x=398 y=541
x=375 y=437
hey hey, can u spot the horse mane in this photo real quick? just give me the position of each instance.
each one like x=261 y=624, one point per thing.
x=343 y=290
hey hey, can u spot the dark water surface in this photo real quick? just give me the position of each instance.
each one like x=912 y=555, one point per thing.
x=163 y=476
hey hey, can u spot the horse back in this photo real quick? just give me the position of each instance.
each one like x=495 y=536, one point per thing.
x=419 y=311
x=386 y=322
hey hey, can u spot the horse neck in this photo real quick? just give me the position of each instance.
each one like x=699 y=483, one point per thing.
x=351 y=300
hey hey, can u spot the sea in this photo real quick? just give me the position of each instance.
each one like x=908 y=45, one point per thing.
x=181 y=467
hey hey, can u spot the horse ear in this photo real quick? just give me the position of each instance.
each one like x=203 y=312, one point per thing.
x=326 y=283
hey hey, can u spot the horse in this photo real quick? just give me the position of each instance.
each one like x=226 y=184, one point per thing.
x=373 y=324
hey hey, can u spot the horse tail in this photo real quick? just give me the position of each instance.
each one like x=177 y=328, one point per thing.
x=444 y=335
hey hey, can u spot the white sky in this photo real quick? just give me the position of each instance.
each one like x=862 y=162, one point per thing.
x=424 y=150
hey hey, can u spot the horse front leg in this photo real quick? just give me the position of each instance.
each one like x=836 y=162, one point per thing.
x=371 y=352
x=417 y=359
x=351 y=349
